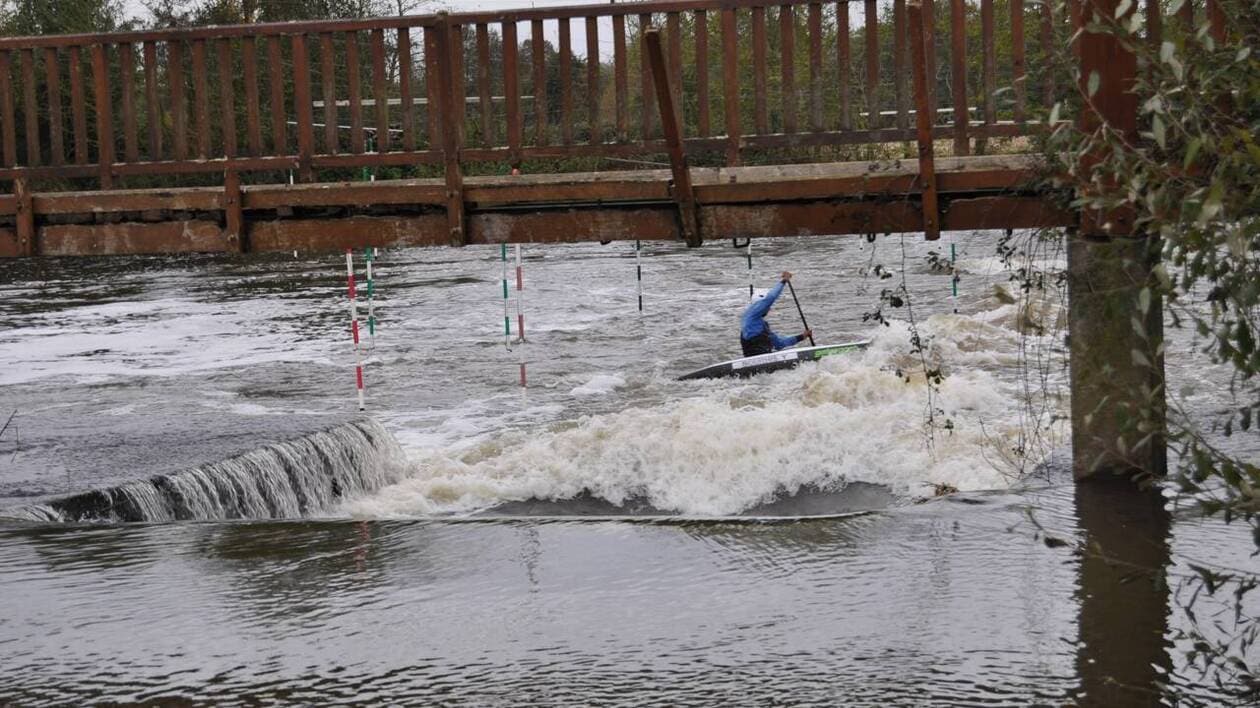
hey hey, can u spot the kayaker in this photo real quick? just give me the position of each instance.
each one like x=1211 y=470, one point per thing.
x=755 y=335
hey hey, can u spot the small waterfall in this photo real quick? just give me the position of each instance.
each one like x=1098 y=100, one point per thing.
x=295 y=478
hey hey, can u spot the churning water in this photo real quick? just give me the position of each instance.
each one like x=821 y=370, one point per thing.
x=607 y=536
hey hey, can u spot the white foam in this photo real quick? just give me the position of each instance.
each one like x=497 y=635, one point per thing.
x=734 y=444
x=599 y=384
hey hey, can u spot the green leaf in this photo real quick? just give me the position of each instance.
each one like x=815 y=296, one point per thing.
x=1094 y=81
x=1140 y=359
x=1144 y=300
x=1243 y=54
x=1157 y=127
x=1054 y=113
x=1192 y=151
x=1166 y=51
x=1123 y=7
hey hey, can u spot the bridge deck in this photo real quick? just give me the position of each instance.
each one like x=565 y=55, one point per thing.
x=812 y=199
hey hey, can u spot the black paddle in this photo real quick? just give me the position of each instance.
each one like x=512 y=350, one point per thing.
x=802 y=312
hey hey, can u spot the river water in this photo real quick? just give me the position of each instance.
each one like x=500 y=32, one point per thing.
x=606 y=536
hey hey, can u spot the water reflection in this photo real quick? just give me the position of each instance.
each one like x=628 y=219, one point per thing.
x=1123 y=657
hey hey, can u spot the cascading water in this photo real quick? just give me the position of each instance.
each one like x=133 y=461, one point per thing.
x=295 y=478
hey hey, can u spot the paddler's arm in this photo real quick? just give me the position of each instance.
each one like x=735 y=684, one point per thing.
x=785 y=342
x=761 y=307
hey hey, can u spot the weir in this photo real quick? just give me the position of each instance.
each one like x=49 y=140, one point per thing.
x=300 y=477
x=840 y=141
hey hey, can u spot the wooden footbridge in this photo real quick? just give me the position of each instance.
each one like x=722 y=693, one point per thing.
x=762 y=119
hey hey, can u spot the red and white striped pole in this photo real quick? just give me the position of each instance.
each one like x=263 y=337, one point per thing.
x=354 y=327
x=520 y=312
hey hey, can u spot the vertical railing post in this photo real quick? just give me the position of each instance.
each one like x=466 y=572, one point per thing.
x=302 y=105
x=104 y=116
x=447 y=102
x=923 y=122
x=730 y=86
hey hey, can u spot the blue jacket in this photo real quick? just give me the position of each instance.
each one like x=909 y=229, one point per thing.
x=754 y=320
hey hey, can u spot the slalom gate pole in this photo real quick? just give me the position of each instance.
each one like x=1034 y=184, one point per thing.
x=953 y=272
x=520 y=313
x=800 y=311
x=507 y=321
x=638 y=270
x=354 y=326
x=750 y=270
x=369 y=255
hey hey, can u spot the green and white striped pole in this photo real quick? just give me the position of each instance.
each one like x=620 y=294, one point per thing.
x=507 y=318
x=953 y=272
x=369 y=255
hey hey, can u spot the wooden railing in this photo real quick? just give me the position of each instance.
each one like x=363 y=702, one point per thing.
x=747 y=75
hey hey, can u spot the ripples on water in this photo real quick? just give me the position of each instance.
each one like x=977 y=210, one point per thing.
x=126 y=368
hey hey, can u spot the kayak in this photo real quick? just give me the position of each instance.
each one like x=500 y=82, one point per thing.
x=774 y=361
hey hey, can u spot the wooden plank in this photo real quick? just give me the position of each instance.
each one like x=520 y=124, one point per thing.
x=843 y=63
x=1216 y=22
x=483 y=82
x=671 y=126
x=703 y=126
x=900 y=95
x=958 y=62
x=592 y=80
x=1186 y=15
x=538 y=60
x=646 y=94
x=1155 y=23
x=132 y=238
x=354 y=75
x=730 y=85
x=7 y=111
x=201 y=99
x=328 y=91
x=1047 y=47
x=512 y=91
x=78 y=112
x=1017 y=58
x=404 y=87
x=873 y=119
x=787 y=66
x=179 y=104
x=432 y=117
x=461 y=89
x=815 y=67
x=227 y=97
x=104 y=115
x=233 y=214
x=381 y=94
x=566 y=84
x=127 y=74
x=673 y=24
x=621 y=72
x=24 y=218
x=52 y=71
x=456 y=229
x=988 y=67
x=302 y=105
x=761 y=116
x=923 y=121
x=253 y=126
x=279 y=114
x=30 y=108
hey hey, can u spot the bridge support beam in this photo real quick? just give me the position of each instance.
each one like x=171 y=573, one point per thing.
x=1116 y=317
x=1117 y=365
x=684 y=195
